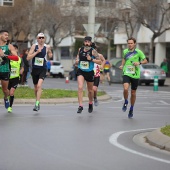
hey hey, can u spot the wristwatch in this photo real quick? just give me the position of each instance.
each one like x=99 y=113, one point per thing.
x=91 y=59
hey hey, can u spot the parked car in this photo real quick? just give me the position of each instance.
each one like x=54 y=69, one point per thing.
x=149 y=71
x=115 y=71
x=57 y=70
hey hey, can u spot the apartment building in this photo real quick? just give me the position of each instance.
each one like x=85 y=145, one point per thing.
x=103 y=10
x=7 y=3
x=104 y=14
x=143 y=35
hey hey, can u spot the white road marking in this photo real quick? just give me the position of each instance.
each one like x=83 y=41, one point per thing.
x=165 y=103
x=113 y=140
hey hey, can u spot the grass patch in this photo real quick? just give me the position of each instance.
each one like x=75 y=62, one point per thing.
x=166 y=130
x=28 y=93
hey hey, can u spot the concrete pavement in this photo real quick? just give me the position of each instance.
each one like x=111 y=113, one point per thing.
x=167 y=81
x=156 y=137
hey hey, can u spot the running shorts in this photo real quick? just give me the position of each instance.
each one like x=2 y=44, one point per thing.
x=96 y=81
x=132 y=81
x=38 y=73
x=13 y=83
x=4 y=76
x=88 y=76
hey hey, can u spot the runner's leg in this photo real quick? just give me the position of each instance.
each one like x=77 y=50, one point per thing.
x=80 y=81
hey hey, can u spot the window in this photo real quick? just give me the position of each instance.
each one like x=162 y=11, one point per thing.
x=150 y=66
x=65 y=52
x=7 y=3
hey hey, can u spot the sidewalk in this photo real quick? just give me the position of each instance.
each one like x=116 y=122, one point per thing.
x=158 y=139
x=167 y=81
x=56 y=100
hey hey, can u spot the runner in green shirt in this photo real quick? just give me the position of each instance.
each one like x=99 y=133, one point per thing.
x=7 y=53
x=132 y=58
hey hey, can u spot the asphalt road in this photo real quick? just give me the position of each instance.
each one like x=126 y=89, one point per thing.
x=57 y=137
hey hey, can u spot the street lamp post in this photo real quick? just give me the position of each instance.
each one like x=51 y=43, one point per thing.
x=91 y=19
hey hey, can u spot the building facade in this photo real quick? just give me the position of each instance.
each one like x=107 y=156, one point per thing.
x=143 y=36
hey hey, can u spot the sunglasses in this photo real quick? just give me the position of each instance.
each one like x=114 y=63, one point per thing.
x=40 y=37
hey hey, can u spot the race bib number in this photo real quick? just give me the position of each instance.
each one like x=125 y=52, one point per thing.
x=14 y=72
x=84 y=64
x=39 y=61
x=130 y=69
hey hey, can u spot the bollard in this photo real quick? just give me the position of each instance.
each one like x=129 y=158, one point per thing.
x=155 y=87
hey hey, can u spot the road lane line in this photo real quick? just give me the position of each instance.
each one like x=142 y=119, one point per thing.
x=113 y=140
x=165 y=103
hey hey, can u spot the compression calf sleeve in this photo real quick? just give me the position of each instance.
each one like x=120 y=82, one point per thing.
x=11 y=100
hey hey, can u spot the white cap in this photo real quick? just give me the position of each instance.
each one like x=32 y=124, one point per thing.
x=40 y=35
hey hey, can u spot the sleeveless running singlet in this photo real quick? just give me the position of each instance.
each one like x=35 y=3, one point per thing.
x=84 y=64
x=15 y=68
x=39 y=61
x=5 y=67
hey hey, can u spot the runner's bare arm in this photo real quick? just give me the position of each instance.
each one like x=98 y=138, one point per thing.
x=77 y=57
x=95 y=54
x=122 y=65
x=144 y=61
x=14 y=56
x=103 y=61
x=1 y=53
x=32 y=53
x=97 y=58
x=49 y=52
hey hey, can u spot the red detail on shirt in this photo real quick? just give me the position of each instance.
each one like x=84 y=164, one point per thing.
x=97 y=71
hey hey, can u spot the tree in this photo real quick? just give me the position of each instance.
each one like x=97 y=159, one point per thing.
x=154 y=15
x=16 y=19
x=128 y=20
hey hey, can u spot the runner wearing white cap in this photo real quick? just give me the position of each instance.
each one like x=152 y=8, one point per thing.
x=38 y=53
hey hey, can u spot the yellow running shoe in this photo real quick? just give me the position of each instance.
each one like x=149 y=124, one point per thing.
x=9 y=109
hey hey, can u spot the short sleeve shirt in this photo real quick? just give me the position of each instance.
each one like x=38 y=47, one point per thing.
x=130 y=57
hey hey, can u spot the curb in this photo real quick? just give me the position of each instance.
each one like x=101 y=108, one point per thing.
x=158 y=139
x=57 y=100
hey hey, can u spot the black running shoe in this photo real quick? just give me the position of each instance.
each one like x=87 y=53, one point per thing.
x=124 y=108
x=80 y=109
x=130 y=115
x=90 y=108
x=96 y=103
x=36 y=108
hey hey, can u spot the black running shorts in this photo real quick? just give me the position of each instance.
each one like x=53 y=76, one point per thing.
x=13 y=83
x=38 y=73
x=96 y=81
x=88 y=76
x=4 y=76
x=132 y=81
